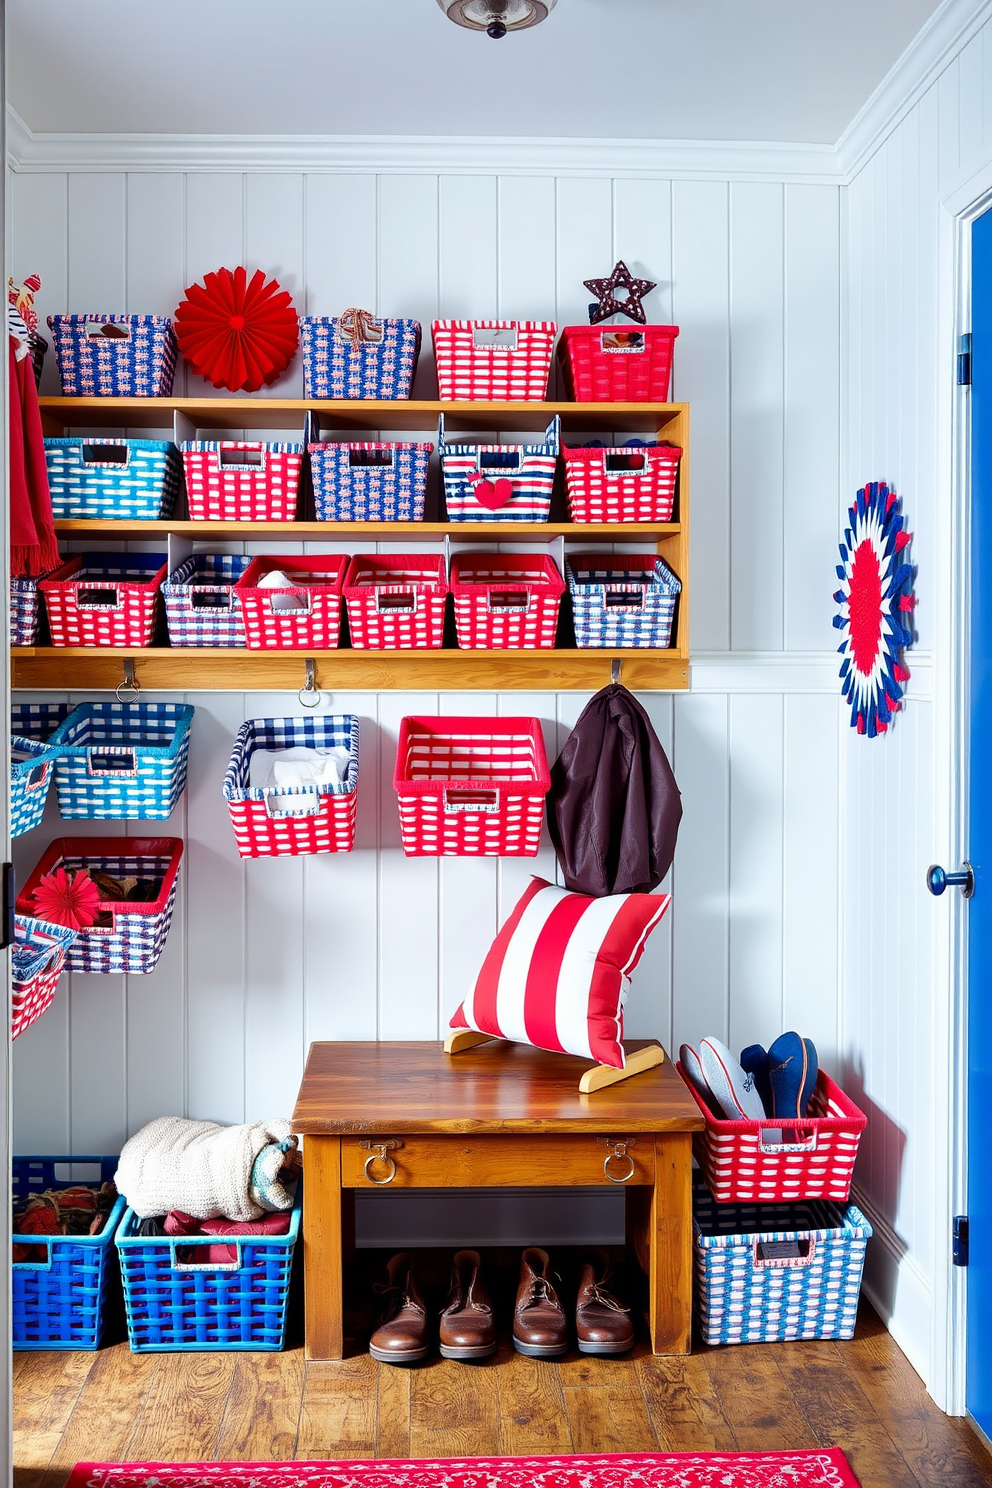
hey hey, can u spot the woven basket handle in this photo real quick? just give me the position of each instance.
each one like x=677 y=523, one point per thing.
x=624 y=599
x=240 y=461
x=619 y=465
x=767 y=1254
x=178 y=1265
x=494 y=338
x=396 y=601
x=37 y=776
x=98 y=596
x=202 y=597
x=798 y=1142
x=96 y=329
x=105 y=760
x=106 y=454
x=282 y=804
x=509 y=601
x=475 y=802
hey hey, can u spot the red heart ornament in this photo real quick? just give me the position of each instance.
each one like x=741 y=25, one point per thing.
x=493 y=494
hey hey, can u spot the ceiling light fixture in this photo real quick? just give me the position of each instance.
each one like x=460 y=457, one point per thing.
x=497 y=17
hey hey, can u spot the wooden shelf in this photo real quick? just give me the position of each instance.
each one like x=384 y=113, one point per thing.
x=529 y=532
x=185 y=669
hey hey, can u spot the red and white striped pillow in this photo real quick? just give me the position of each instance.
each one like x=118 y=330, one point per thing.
x=557 y=973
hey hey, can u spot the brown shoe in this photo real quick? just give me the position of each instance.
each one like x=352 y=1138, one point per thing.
x=467 y=1327
x=602 y=1321
x=539 y=1326
x=401 y=1337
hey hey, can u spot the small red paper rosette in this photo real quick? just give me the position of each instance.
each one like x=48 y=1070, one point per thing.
x=63 y=898
x=237 y=333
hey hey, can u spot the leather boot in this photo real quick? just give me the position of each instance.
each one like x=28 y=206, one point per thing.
x=401 y=1337
x=467 y=1327
x=602 y=1320
x=539 y=1326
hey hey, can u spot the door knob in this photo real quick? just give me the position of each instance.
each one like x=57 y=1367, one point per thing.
x=938 y=879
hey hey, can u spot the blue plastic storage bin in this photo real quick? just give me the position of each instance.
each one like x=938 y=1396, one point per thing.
x=621 y=599
x=36 y=732
x=136 y=479
x=60 y=1303
x=122 y=760
x=176 y=1305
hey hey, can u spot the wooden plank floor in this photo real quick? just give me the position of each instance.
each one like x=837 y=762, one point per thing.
x=861 y=1395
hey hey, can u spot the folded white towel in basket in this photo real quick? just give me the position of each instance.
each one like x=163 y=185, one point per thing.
x=197 y=1166
x=301 y=765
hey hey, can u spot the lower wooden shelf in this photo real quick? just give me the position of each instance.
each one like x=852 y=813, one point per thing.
x=101 y=668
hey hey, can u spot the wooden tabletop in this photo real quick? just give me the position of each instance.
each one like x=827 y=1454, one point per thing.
x=495 y=1087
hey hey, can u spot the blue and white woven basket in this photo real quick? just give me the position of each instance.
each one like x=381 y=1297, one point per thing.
x=335 y=367
x=530 y=469
x=369 y=482
x=136 y=938
x=123 y=760
x=24 y=612
x=293 y=820
x=766 y=1272
x=202 y=606
x=36 y=730
x=621 y=600
x=136 y=479
x=138 y=362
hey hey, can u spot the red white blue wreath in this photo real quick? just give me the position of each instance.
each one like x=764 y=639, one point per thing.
x=876 y=602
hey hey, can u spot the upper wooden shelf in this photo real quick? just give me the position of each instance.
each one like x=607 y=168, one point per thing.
x=529 y=532
x=260 y=412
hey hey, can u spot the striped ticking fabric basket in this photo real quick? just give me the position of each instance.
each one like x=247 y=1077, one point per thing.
x=231 y=480
x=493 y=360
x=24 y=612
x=471 y=787
x=502 y=602
x=37 y=960
x=288 y=821
x=768 y=1272
x=396 y=601
x=369 y=482
x=60 y=1302
x=123 y=761
x=617 y=363
x=36 y=734
x=499 y=482
x=114 y=356
x=307 y=615
x=336 y=367
x=621 y=599
x=778 y=1160
x=202 y=605
x=632 y=483
x=105 y=599
x=128 y=935
x=137 y=479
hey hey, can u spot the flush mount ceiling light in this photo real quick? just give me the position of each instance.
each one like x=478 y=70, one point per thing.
x=497 y=17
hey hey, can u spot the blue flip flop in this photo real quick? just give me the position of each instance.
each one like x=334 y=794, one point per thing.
x=812 y=1070
x=788 y=1073
x=733 y=1088
x=754 y=1061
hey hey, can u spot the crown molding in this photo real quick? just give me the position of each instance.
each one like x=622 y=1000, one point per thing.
x=420 y=155
x=946 y=33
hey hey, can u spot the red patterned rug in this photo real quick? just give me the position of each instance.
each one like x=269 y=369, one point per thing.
x=821 y=1469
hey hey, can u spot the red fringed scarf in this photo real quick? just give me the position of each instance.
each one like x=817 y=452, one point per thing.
x=33 y=546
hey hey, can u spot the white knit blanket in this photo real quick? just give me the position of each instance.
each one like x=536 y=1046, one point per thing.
x=196 y=1166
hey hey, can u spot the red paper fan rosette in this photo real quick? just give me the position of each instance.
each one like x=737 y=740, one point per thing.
x=63 y=898
x=237 y=333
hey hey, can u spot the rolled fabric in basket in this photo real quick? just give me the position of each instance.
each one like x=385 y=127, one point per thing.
x=200 y=1167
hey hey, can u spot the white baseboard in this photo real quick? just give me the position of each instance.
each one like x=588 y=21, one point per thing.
x=898 y=1289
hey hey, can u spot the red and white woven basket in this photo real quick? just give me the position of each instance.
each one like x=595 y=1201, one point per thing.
x=28 y=1000
x=273 y=822
x=241 y=481
x=471 y=787
x=493 y=360
x=104 y=599
x=502 y=602
x=778 y=1160
x=395 y=601
x=313 y=622
x=618 y=364
x=633 y=483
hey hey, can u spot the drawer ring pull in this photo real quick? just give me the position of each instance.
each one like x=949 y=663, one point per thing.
x=379 y=1152
x=617 y=1154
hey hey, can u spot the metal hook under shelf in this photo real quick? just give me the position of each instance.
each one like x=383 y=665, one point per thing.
x=129 y=684
x=309 y=694
x=615 y=670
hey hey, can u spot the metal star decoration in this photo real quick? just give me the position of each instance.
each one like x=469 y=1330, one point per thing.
x=608 y=302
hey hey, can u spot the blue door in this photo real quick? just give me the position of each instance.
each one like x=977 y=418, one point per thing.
x=979 y=1379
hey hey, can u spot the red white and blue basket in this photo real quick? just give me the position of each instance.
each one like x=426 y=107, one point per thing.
x=128 y=935
x=37 y=960
x=499 y=482
x=396 y=601
x=471 y=787
x=233 y=480
x=493 y=360
x=36 y=734
x=336 y=367
x=769 y=1272
x=202 y=605
x=107 y=479
x=123 y=761
x=616 y=363
x=505 y=600
x=306 y=615
x=621 y=599
x=369 y=482
x=24 y=612
x=105 y=599
x=631 y=483
x=136 y=360
x=287 y=821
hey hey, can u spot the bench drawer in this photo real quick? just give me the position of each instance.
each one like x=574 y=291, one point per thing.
x=496 y=1161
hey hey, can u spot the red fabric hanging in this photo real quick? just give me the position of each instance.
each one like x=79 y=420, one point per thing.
x=33 y=546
